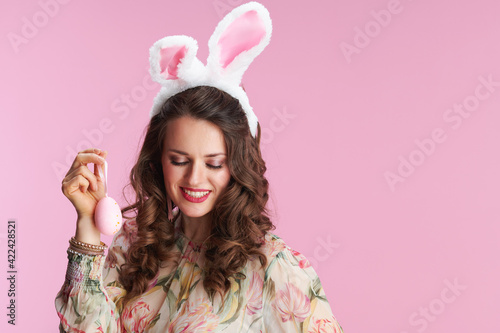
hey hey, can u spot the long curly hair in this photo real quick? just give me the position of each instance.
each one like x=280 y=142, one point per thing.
x=240 y=217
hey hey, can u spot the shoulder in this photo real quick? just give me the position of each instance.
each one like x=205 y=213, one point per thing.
x=275 y=248
x=287 y=266
x=293 y=295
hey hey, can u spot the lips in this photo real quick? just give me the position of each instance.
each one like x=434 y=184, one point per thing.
x=194 y=199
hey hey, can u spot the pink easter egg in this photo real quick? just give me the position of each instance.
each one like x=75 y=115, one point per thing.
x=108 y=216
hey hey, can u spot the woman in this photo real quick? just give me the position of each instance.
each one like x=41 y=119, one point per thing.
x=198 y=254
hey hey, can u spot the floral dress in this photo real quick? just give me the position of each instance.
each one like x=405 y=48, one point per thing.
x=286 y=296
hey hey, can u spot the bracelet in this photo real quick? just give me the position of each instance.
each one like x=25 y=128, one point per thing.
x=82 y=249
x=90 y=246
x=86 y=246
x=80 y=252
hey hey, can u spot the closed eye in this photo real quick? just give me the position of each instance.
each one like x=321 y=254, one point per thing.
x=208 y=165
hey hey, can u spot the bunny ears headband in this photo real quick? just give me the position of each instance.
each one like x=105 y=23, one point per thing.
x=237 y=40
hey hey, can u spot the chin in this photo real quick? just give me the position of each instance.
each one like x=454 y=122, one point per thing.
x=192 y=212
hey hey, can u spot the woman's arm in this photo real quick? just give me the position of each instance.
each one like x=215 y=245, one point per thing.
x=88 y=301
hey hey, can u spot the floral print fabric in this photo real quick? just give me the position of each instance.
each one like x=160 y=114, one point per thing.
x=286 y=296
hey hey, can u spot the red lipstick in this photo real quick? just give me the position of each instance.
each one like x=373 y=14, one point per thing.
x=193 y=199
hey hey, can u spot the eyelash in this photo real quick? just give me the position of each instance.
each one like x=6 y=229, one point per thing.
x=208 y=165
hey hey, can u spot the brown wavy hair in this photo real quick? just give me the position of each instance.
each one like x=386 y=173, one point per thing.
x=240 y=217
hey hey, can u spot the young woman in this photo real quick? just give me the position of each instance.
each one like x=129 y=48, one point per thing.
x=197 y=255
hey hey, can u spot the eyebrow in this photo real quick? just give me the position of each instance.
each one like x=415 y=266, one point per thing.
x=184 y=153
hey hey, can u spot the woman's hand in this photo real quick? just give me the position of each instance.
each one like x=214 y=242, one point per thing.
x=84 y=189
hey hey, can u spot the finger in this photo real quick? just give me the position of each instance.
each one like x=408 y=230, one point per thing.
x=87 y=156
x=90 y=155
x=96 y=171
x=100 y=152
x=76 y=183
x=85 y=172
x=102 y=155
x=82 y=171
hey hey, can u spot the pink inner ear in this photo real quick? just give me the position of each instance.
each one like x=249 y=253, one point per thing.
x=241 y=35
x=170 y=57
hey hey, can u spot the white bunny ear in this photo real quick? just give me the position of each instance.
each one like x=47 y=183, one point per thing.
x=171 y=57
x=237 y=40
x=174 y=65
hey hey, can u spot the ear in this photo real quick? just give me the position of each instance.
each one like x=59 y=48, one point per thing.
x=238 y=39
x=171 y=57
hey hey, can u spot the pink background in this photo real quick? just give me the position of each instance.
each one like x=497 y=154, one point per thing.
x=386 y=255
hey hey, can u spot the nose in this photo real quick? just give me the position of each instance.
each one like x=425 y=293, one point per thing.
x=196 y=173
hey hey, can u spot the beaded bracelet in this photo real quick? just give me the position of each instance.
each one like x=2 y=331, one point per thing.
x=81 y=249
x=81 y=252
x=87 y=246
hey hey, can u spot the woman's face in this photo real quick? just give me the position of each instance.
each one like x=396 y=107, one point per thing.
x=194 y=165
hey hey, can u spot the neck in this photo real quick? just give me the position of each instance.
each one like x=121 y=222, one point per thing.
x=197 y=229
